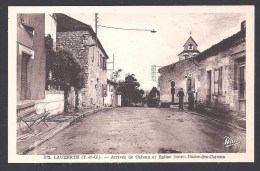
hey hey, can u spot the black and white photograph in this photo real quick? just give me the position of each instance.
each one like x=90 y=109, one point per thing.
x=131 y=84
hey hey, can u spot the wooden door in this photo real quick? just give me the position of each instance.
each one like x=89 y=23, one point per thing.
x=24 y=76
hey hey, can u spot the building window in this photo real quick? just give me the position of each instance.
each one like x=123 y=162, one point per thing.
x=26 y=21
x=185 y=55
x=190 y=46
x=93 y=53
x=242 y=82
x=216 y=81
x=98 y=60
x=220 y=81
x=104 y=63
x=209 y=85
x=101 y=61
x=235 y=76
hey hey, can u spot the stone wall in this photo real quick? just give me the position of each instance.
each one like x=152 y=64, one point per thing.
x=53 y=103
x=177 y=72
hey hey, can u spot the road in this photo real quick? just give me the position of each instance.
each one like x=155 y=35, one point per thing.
x=143 y=130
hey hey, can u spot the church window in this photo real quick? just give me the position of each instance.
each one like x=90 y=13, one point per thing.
x=185 y=55
x=190 y=46
x=194 y=54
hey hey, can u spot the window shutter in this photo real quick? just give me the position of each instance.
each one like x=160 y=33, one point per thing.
x=26 y=19
x=216 y=81
x=101 y=61
x=220 y=80
x=235 y=76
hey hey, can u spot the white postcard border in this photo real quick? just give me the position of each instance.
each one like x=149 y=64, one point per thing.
x=229 y=157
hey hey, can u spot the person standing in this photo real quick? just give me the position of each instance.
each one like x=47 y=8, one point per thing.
x=180 y=94
x=191 y=100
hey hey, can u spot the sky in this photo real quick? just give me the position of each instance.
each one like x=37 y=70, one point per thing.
x=136 y=51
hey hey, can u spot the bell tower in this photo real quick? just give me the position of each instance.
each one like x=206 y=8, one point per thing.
x=190 y=49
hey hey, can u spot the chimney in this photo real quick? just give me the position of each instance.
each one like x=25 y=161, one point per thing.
x=243 y=25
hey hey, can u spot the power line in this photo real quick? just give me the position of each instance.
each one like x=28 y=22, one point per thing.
x=211 y=20
x=211 y=30
x=220 y=28
x=215 y=28
x=119 y=28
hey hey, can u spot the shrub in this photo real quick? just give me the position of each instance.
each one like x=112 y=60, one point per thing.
x=65 y=68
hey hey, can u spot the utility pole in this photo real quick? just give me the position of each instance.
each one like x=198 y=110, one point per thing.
x=96 y=25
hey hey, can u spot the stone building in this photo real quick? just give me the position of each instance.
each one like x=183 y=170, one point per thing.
x=221 y=74
x=80 y=39
x=217 y=75
x=180 y=74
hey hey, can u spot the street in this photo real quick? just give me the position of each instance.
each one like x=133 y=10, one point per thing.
x=144 y=130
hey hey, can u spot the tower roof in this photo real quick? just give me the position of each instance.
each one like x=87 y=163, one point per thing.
x=190 y=38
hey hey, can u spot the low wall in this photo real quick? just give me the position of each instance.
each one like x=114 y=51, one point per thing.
x=53 y=103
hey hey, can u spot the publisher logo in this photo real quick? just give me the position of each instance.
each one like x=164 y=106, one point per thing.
x=229 y=141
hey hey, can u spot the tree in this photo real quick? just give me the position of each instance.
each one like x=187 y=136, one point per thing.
x=130 y=90
x=65 y=68
x=115 y=75
x=153 y=97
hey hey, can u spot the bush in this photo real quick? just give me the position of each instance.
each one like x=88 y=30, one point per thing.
x=153 y=98
x=65 y=68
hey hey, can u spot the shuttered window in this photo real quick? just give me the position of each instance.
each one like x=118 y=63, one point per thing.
x=220 y=81
x=209 y=84
x=104 y=63
x=101 y=61
x=242 y=83
x=27 y=21
x=235 y=76
x=216 y=81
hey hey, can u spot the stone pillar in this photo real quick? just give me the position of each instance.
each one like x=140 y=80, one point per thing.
x=71 y=99
x=79 y=100
x=84 y=97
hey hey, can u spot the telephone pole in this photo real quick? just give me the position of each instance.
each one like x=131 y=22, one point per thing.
x=96 y=25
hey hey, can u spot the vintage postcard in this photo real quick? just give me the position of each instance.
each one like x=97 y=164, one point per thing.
x=130 y=84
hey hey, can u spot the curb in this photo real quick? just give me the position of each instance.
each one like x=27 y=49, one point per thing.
x=45 y=138
x=62 y=127
x=87 y=113
x=227 y=123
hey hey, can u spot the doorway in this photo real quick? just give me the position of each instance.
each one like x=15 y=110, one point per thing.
x=242 y=88
x=24 y=76
x=208 y=86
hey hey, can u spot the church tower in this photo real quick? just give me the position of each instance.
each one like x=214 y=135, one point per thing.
x=190 y=49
